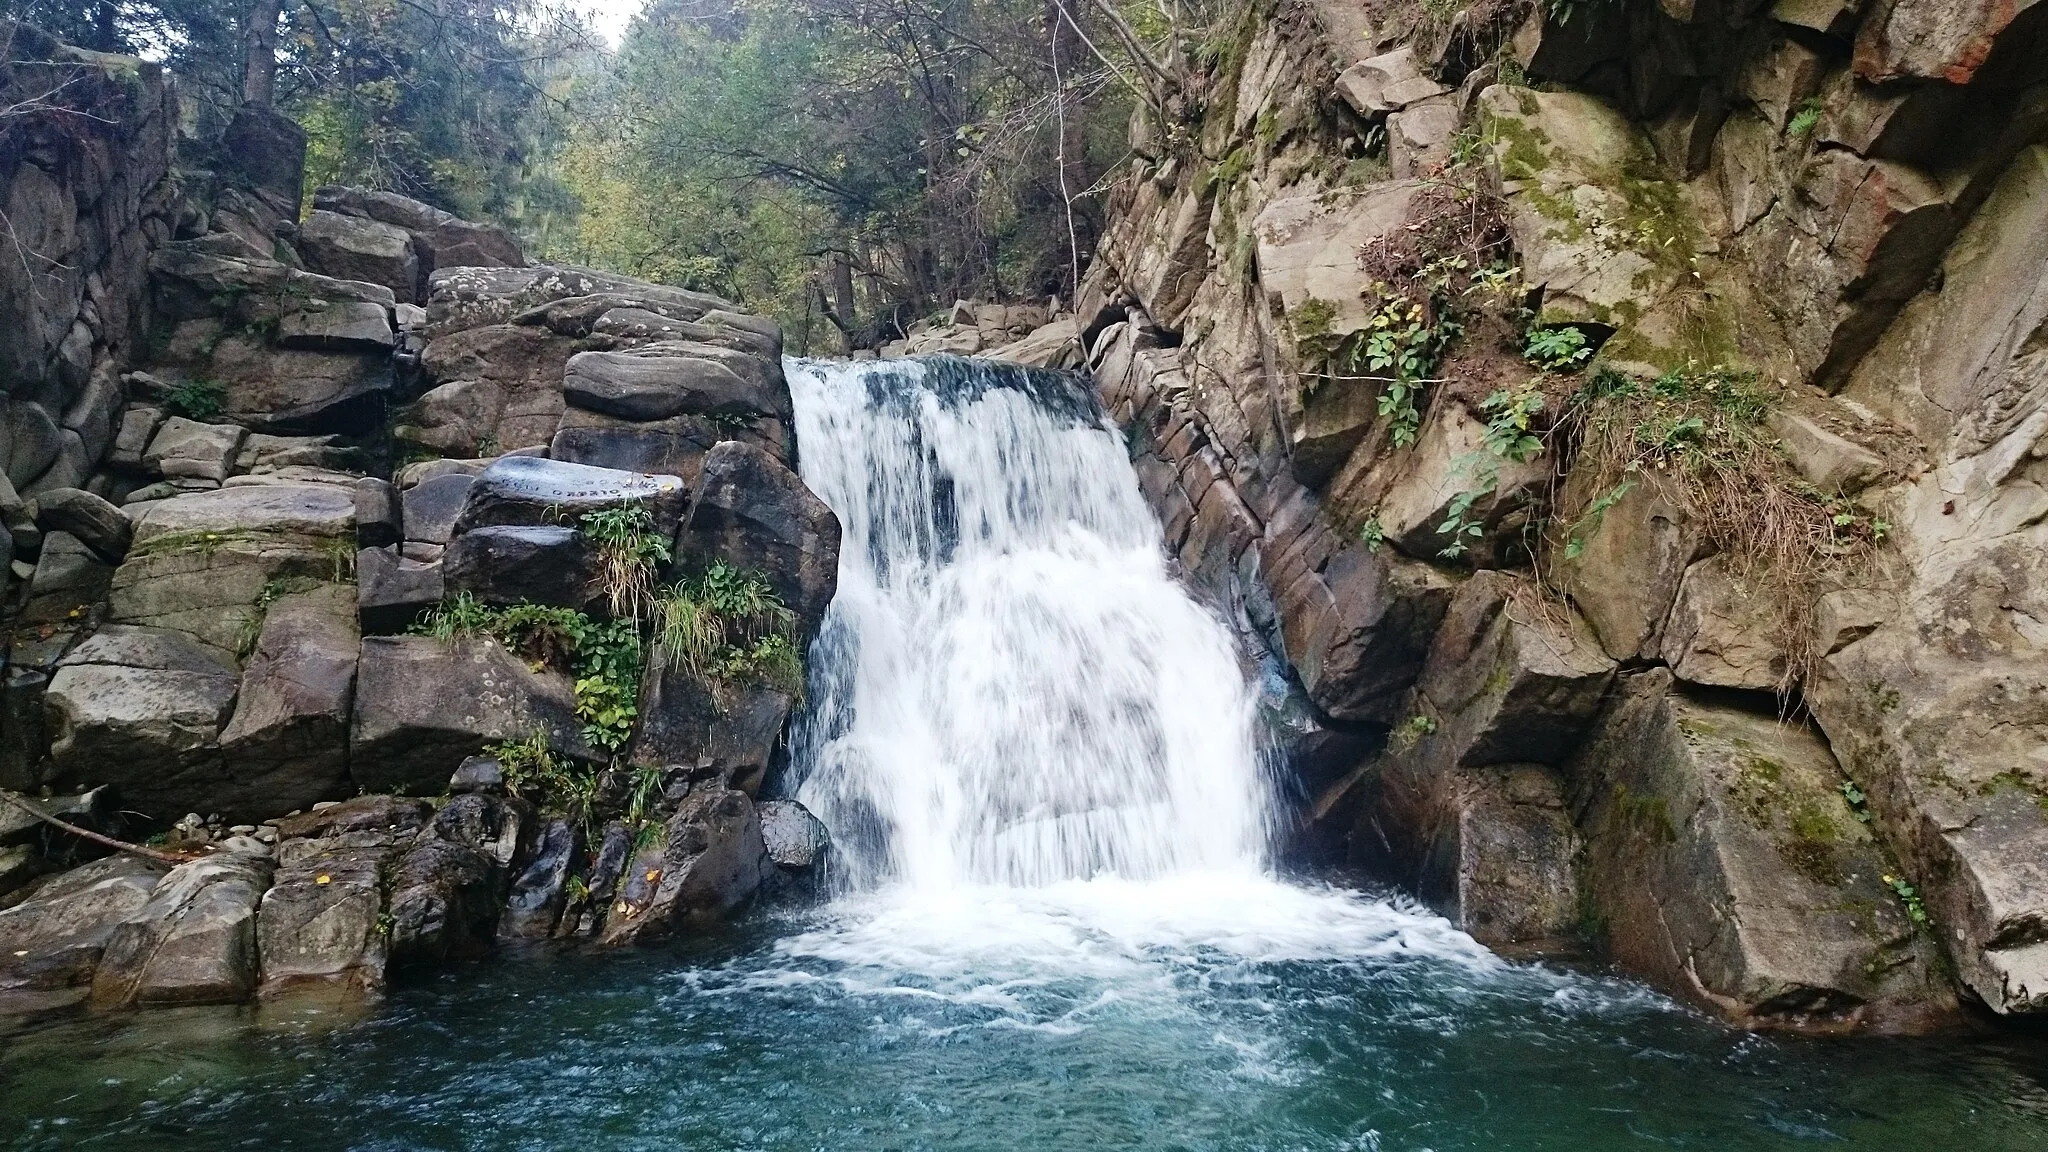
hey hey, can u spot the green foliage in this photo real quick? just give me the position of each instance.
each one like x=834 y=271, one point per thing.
x=1805 y=119
x=630 y=552
x=1509 y=437
x=1858 y=803
x=1557 y=349
x=1916 y=908
x=728 y=625
x=603 y=655
x=197 y=399
x=1373 y=534
x=535 y=772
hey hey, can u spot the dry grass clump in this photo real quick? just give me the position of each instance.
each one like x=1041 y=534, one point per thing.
x=1701 y=438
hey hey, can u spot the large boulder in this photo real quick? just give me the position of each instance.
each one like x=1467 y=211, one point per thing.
x=354 y=248
x=287 y=743
x=508 y=564
x=534 y=491
x=540 y=892
x=750 y=511
x=731 y=730
x=92 y=520
x=1725 y=865
x=432 y=505
x=424 y=705
x=447 y=889
x=675 y=378
x=194 y=942
x=392 y=591
x=707 y=861
x=322 y=923
x=53 y=937
x=204 y=562
x=494 y=388
x=142 y=709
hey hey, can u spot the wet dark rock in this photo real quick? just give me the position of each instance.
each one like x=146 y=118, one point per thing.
x=792 y=836
x=720 y=729
x=538 y=895
x=707 y=862
x=615 y=848
x=374 y=813
x=270 y=149
x=502 y=564
x=755 y=514
x=444 y=901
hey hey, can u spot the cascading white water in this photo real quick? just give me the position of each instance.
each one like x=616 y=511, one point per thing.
x=1010 y=687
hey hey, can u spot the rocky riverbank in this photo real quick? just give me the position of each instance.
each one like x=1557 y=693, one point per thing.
x=403 y=596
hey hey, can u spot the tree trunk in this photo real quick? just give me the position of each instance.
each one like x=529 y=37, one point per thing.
x=259 y=74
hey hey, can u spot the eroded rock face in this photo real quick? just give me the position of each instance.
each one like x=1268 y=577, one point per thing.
x=536 y=492
x=287 y=742
x=1727 y=866
x=142 y=709
x=758 y=516
x=707 y=862
x=53 y=939
x=320 y=925
x=194 y=942
x=424 y=705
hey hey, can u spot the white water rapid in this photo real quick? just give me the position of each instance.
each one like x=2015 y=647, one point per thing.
x=1015 y=691
x=1038 y=757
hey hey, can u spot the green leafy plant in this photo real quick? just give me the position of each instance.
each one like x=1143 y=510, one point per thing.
x=197 y=399
x=1509 y=437
x=1561 y=348
x=604 y=656
x=1373 y=533
x=535 y=772
x=1916 y=907
x=1805 y=119
x=1859 y=804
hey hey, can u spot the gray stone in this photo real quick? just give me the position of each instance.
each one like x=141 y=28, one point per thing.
x=424 y=705
x=286 y=745
x=432 y=505
x=753 y=513
x=730 y=729
x=1829 y=462
x=379 y=514
x=672 y=379
x=392 y=591
x=478 y=774
x=353 y=248
x=1723 y=632
x=1386 y=83
x=1419 y=137
x=341 y=326
x=94 y=522
x=70 y=578
x=446 y=891
x=194 y=942
x=792 y=836
x=707 y=863
x=188 y=448
x=34 y=440
x=270 y=149
x=1726 y=868
x=54 y=937
x=527 y=490
x=505 y=564
x=142 y=709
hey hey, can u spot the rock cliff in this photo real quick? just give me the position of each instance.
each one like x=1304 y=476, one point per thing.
x=1620 y=421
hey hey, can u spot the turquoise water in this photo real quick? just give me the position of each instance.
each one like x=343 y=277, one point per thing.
x=999 y=1020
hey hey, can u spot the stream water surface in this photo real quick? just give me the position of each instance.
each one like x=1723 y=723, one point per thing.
x=1054 y=922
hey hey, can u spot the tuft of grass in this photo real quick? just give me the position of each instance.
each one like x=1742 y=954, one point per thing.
x=630 y=552
x=728 y=625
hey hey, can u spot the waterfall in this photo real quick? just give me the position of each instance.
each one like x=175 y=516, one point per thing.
x=1010 y=688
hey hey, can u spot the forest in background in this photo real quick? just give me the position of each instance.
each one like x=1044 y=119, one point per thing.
x=846 y=165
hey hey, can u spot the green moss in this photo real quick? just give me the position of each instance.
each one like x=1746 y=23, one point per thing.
x=1524 y=157
x=1643 y=817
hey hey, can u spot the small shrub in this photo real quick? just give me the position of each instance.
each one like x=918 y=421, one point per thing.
x=197 y=399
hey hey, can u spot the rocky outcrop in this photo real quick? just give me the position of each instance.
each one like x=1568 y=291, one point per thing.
x=218 y=576
x=1841 y=200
